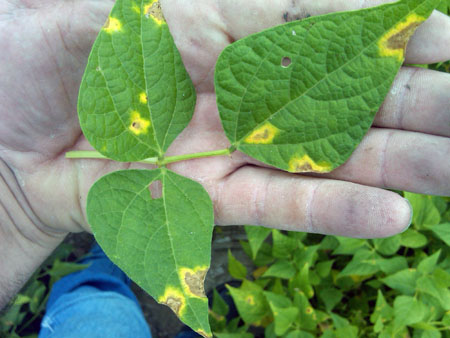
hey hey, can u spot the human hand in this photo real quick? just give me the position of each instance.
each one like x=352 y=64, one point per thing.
x=40 y=76
x=45 y=49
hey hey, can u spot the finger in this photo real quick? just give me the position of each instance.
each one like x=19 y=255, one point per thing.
x=268 y=197
x=429 y=44
x=400 y=160
x=419 y=100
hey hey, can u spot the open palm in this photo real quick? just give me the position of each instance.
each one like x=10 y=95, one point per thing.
x=44 y=49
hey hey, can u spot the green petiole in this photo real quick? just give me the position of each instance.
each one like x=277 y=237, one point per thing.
x=153 y=160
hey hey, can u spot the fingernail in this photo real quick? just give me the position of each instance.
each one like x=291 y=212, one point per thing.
x=411 y=213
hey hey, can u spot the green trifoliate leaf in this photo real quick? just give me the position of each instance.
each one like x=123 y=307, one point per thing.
x=330 y=297
x=302 y=282
x=392 y=265
x=349 y=246
x=403 y=281
x=363 y=263
x=250 y=302
x=283 y=311
x=283 y=245
x=323 y=269
x=308 y=317
x=429 y=285
x=162 y=243
x=299 y=334
x=219 y=306
x=235 y=268
x=408 y=310
x=383 y=311
x=256 y=235
x=442 y=231
x=302 y=95
x=387 y=246
x=282 y=268
x=427 y=265
x=412 y=239
x=306 y=255
x=425 y=211
x=136 y=95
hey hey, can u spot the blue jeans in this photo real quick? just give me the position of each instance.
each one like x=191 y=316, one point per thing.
x=95 y=302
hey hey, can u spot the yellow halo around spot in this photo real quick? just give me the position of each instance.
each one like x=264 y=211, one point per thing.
x=153 y=10
x=393 y=43
x=192 y=281
x=263 y=134
x=305 y=163
x=174 y=299
x=138 y=125
x=143 y=98
x=112 y=25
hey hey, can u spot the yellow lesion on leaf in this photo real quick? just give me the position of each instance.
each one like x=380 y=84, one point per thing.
x=174 y=299
x=263 y=134
x=250 y=300
x=394 y=42
x=136 y=8
x=305 y=163
x=153 y=10
x=112 y=25
x=193 y=280
x=203 y=333
x=215 y=315
x=143 y=98
x=138 y=125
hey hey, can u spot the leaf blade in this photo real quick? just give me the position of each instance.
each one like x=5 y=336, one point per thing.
x=151 y=239
x=304 y=117
x=128 y=108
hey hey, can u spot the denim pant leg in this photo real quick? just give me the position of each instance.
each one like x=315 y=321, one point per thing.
x=95 y=302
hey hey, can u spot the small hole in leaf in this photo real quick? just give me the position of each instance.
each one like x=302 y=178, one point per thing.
x=286 y=62
x=155 y=189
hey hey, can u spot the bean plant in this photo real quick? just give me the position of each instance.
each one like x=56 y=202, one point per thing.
x=299 y=97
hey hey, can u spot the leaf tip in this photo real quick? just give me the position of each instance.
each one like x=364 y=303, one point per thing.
x=204 y=333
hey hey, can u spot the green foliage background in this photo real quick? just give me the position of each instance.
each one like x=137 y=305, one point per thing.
x=306 y=285
x=23 y=315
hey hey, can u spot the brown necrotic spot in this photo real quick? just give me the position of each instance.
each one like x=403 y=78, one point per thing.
x=301 y=167
x=401 y=38
x=174 y=303
x=155 y=11
x=195 y=281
